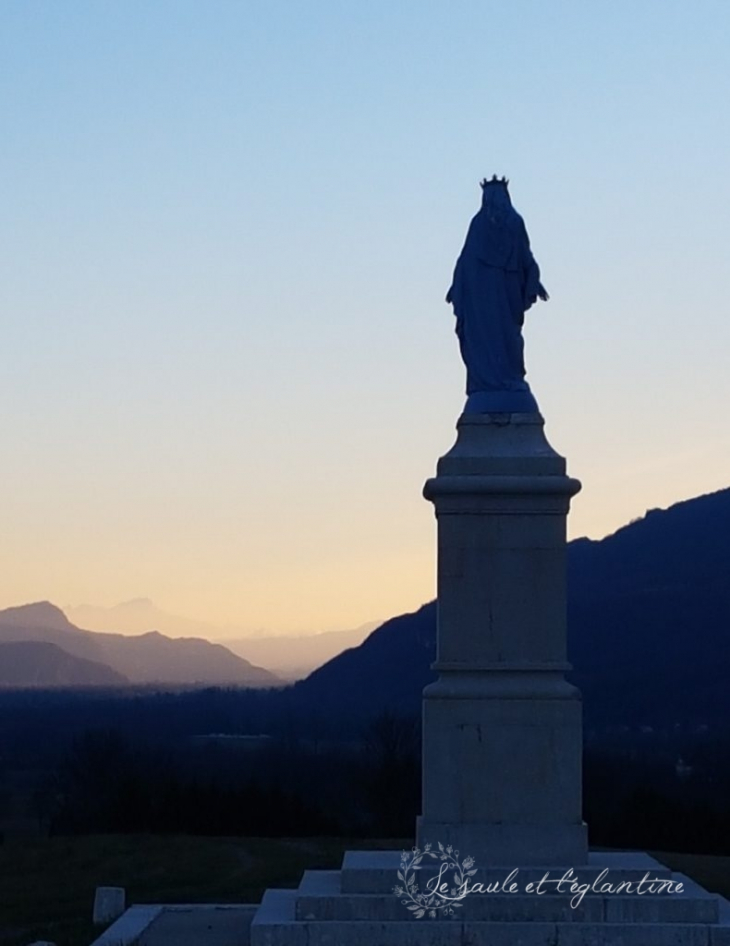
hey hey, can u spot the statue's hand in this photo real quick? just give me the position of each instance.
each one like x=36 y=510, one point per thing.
x=448 y=296
x=543 y=294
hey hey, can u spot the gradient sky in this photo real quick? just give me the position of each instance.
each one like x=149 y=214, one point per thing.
x=227 y=230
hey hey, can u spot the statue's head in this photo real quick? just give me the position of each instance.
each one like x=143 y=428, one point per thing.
x=495 y=197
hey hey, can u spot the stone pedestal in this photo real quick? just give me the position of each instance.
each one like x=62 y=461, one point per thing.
x=355 y=906
x=501 y=726
x=501 y=741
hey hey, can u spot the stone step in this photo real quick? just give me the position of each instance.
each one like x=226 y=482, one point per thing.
x=274 y=923
x=275 y=926
x=200 y=925
x=376 y=871
x=320 y=898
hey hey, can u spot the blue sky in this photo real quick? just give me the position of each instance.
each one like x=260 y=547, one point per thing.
x=227 y=231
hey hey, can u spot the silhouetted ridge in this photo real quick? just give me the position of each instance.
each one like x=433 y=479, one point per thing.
x=649 y=613
x=37 y=614
x=146 y=658
x=40 y=664
x=386 y=670
x=648 y=625
x=687 y=544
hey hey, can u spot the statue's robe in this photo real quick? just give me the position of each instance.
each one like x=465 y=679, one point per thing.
x=495 y=281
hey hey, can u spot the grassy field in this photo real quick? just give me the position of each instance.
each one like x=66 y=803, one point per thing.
x=47 y=885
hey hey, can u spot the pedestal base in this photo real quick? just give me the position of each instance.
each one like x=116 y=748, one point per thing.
x=356 y=906
x=502 y=779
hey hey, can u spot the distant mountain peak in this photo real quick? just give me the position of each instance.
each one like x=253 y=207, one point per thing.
x=138 y=616
x=152 y=657
x=137 y=603
x=37 y=614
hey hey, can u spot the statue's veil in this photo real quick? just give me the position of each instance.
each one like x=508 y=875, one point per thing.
x=496 y=231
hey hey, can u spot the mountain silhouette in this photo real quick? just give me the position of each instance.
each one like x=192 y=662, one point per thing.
x=38 y=614
x=649 y=613
x=289 y=656
x=40 y=664
x=387 y=671
x=144 y=659
x=648 y=620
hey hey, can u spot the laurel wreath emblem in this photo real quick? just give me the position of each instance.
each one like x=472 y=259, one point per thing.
x=433 y=903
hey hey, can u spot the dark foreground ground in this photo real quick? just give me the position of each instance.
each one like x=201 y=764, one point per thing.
x=47 y=885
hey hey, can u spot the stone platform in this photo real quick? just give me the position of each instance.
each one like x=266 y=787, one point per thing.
x=356 y=906
x=181 y=924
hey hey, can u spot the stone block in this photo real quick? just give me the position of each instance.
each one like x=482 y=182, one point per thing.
x=274 y=923
x=128 y=928
x=109 y=903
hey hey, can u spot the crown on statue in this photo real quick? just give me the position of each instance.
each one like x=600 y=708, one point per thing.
x=495 y=180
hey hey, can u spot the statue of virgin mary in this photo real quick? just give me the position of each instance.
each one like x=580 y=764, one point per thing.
x=496 y=280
